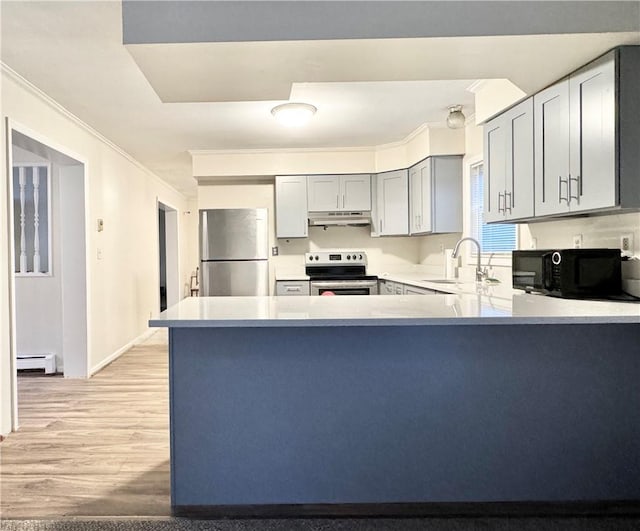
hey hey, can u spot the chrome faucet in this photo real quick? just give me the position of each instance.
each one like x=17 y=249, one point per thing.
x=480 y=274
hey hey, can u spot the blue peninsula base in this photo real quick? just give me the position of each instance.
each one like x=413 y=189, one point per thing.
x=358 y=420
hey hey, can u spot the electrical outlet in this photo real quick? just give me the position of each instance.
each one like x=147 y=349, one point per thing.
x=577 y=241
x=534 y=243
x=626 y=244
x=274 y=251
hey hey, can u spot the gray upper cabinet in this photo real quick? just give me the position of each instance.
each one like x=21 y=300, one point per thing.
x=436 y=195
x=551 y=141
x=573 y=150
x=592 y=123
x=420 y=197
x=291 y=206
x=508 y=156
x=587 y=136
x=339 y=193
x=393 y=203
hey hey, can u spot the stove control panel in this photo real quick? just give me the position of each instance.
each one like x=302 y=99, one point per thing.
x=328 y=258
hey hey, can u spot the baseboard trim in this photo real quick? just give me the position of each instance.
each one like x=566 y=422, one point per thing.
x=413 y=510
x=110 y=359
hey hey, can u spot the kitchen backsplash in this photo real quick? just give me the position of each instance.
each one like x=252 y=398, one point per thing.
x=382 y=253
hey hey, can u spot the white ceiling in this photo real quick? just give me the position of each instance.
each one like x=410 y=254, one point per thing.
x=201 y=96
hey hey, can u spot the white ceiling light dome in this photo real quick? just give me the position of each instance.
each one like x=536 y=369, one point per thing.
x=293 y=114
x=456 y=119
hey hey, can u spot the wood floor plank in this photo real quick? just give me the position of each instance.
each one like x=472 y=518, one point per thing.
x=97 y=447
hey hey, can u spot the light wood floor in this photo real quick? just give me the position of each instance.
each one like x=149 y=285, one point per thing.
x=97 y=447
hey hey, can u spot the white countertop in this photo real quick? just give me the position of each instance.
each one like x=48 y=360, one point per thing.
x=391 y=310
x=426 y=280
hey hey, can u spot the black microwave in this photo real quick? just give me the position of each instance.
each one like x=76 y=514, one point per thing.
x=570 y=273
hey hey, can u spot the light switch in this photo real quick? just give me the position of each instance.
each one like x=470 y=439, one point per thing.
x=100 y=225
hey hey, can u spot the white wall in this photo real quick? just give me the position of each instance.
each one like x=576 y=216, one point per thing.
x=494 y=95
x=6 y=376
x=123 y=282
x=382 y=253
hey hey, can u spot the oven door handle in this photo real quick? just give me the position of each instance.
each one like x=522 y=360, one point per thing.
x=324 y=284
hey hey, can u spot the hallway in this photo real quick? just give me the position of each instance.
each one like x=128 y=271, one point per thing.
x=92 y=447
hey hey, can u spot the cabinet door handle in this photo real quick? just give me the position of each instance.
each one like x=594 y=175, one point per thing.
x=380 y=225
x=293 y=288
x=507 y=202
x=562 y=181
x=579 y=186
x=337 y=201
x=343 y=201
x=500 y=208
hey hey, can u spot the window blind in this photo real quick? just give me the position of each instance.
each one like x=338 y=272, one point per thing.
x=492 y=238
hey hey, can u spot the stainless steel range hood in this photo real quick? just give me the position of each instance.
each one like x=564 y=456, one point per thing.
x=357 y=219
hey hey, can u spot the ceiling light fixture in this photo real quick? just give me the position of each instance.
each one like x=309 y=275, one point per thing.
x=456 y=119
x=293 y=114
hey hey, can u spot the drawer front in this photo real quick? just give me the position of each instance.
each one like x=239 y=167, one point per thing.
x=292 y=287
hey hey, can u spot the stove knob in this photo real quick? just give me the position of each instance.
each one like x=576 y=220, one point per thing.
x=317 y=257
x=348 y=257
x=311 y=258
x=354 y=256
x=360 y=257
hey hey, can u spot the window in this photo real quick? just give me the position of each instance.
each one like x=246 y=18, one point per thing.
x=31 y=221
x=499 y=238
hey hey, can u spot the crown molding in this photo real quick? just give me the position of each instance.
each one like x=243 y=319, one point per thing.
x=43 y=96
x=477 y=85
x=201 y=152
x=354 y=149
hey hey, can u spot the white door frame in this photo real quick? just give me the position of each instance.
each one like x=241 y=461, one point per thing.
x=12 y=125
x=172 y=247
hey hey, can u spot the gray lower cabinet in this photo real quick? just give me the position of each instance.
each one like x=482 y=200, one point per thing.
x=291 y=206
x=390 y=287
x=292 y=287
x=435 y=192
x=414 y=290
x=386 y=287
x=508 y=163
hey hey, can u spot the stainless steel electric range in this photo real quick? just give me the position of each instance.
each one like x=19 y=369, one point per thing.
x=340 y=273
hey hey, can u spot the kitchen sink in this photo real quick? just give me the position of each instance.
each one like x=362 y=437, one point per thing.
x=440 y=280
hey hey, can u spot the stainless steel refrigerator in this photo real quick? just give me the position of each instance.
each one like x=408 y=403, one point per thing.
x=234 y=252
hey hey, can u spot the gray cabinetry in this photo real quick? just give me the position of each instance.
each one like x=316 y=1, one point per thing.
x=291 y=206
x=420 y=197
x=584 y=144
x=386 y=287
x=587 y=137
x=508 y=156
x=435 y=195
x=414 y=290
x=339 y=193
x=393 y=203
x=592 y=123
x=292 y=287
x=551 y=141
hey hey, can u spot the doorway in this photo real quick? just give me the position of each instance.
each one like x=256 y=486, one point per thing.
x=49 y=252
x=169 y=286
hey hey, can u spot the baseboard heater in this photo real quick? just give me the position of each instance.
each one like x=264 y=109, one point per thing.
x=37 y=361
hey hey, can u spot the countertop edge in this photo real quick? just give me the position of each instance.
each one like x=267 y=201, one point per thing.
x=400 y=321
